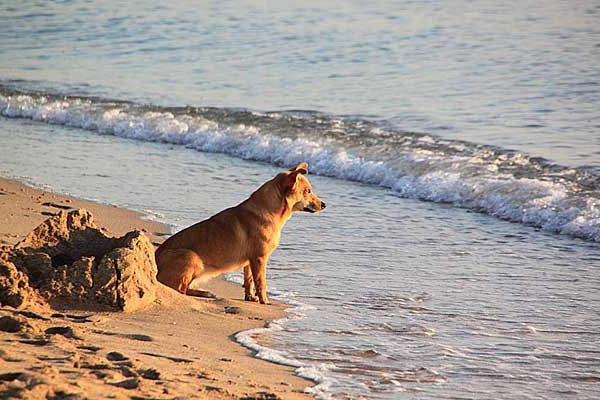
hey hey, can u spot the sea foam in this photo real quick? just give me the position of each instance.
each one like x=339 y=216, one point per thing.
x=315 y=372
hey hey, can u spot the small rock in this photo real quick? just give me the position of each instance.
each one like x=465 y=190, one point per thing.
x=149 y=373
x=217 y=389
x=93 y=362
x=65 y=331
x=88 y=365
x=56 y=205
x=262 y=396
x=10 y=376
x=10 y=324
x=130 y=383
x=232 y=310
x=80 y=318
x=62 y=395
x=201 y=293
x=115 y=356
x=128 y=372
x=90 y=348
x=101 y=374
x=30 y=314
x=35 y=342
x=204 y=375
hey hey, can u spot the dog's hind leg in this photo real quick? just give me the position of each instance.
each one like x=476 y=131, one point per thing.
x=258 y=266
x=177 y=268
x=249 y=290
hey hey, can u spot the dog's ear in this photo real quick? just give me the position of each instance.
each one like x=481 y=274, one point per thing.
x=289 y=179
x=301 y=168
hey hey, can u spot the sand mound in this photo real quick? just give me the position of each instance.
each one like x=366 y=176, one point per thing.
x=68 y=261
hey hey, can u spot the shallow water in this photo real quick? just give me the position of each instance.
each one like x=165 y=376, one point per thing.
x=431 y=124
x=397 y=298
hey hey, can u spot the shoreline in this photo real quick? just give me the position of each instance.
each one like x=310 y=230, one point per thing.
x=189 y=343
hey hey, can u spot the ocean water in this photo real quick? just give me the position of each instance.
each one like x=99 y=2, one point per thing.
x=457 y=145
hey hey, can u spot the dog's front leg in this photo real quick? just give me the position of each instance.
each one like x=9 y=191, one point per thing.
x=249 y=290
x=259 y=275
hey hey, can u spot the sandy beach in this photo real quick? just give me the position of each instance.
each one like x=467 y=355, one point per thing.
x=179 y=347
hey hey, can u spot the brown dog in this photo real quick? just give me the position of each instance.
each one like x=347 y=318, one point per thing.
x=241 y=236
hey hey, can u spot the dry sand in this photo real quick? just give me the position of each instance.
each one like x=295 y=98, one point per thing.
x=182 y=347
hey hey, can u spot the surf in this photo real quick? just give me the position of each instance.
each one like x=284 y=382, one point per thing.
x=505 y=183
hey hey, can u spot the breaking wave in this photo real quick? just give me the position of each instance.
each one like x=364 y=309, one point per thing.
x=507 y=184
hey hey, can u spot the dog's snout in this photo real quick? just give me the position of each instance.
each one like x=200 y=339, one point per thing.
x=323 y=205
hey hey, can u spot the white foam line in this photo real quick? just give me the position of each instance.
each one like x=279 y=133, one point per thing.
x=316 y=373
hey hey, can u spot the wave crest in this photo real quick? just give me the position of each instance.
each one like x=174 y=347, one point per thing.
x=507 y=184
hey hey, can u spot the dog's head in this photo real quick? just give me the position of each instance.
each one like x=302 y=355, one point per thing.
x=297 y=190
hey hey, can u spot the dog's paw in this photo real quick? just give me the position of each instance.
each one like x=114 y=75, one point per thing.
x=251 y=297
x=265 y=301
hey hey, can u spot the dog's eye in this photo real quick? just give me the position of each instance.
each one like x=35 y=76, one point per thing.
x=308 y=191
